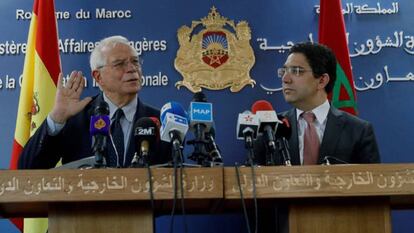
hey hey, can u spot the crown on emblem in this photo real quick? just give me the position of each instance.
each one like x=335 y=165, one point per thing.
x=214 y=19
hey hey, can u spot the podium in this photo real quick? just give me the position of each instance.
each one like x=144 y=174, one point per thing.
x=334 y=199
x=104 y=200
x=329 y=199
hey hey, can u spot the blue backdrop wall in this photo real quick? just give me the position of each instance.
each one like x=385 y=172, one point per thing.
x=380 y=38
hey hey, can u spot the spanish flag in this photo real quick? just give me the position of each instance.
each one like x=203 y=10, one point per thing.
x=332 y=34
x=40 y=76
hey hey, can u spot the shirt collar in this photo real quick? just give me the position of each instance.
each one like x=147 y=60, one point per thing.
x=321 y=112
x=129 y=109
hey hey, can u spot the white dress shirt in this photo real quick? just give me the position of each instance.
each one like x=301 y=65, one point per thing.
x=321 y=114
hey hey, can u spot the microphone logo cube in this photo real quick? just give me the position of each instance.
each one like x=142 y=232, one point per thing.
x=245 y=123
x=173 y=122
x=201 y=112
x=99 y=125
x=267 y=118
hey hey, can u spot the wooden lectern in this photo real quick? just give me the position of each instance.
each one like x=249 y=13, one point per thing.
x=330 y=199
x=103 y=200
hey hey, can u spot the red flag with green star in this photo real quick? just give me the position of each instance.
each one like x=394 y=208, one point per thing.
x=332 y=34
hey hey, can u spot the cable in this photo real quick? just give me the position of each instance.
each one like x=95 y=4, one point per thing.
x=246 y=218
x=256 y=215
x=182 y=197
x=151 y=192
x=175 y=193
x=178 y=157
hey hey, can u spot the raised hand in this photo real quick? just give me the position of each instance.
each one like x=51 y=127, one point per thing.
x=67 y=101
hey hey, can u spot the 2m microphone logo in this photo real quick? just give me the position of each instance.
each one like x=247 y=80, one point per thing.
x=147 y=131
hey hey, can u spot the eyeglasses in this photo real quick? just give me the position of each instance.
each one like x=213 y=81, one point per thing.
x=294 y=70
x=122 y=64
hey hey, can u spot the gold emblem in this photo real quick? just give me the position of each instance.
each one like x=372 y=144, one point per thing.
x=99 y=124
x=215 y=58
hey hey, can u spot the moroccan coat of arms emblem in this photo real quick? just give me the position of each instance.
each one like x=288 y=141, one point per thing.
x=216 y=57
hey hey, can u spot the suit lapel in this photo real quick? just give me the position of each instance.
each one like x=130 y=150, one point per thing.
x=332 y=134
x=294 y=139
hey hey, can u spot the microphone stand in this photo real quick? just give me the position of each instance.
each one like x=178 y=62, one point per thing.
x=283 y=148
x=271 y=155
x=199 y=154
x=177 y=154
x=178 y=161
x=248 y=144
x=215 y=158
x=248 y=139
x=141 y=159
x=99 y=146
x=270 y=146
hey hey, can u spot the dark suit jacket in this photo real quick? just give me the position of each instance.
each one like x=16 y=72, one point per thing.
x=346 y=137
x=74 y=141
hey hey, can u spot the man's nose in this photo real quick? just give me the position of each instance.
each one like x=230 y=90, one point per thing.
x=286 y=78
x=129 y=66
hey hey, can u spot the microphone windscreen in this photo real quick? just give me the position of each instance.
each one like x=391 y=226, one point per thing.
x=99 y=125
x=173 y=119
x=174 y=108
x=284 y=129
x=156 y=121
x=158 y=124
x=101 y=109
x=100 y=121
x=199 y=97
x=261 y=105
x=244 y=121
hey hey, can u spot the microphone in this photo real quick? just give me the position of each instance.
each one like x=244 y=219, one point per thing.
x=174 y=126
x=214 y=152
x=201 y=114
x=145 y=137
x=283 y=129
x=99 y=130
x=247 y=126
x=201 y=122
x=268 y=122
x=283 y=133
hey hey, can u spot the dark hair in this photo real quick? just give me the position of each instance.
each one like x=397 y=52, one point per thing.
x=320 y=58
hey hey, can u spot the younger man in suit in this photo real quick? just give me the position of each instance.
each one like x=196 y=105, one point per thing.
x=319 y=130
x=308 y=76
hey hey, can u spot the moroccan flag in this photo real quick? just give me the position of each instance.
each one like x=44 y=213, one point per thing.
x=332 y=34
x=40 y=76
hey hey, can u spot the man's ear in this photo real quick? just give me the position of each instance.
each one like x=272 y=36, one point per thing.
x=96 y=75
x=324 y=80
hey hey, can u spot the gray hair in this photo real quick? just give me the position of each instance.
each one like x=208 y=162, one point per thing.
x=97 y=59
